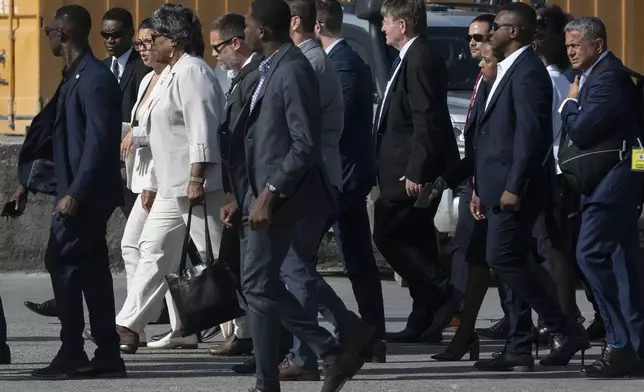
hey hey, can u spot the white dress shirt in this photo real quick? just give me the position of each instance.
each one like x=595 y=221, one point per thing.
x=582 y=80
x=502 y=68
x=560 y=87
x=330 y=47
x=122 y=62
x=401 y=55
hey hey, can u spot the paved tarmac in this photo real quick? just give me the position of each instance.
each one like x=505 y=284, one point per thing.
x=34 y=342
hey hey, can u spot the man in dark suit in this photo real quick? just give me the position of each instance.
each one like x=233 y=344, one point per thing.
x=513 y=138
x=84 y=142
x=351 y=223
x=117 y=30
x=234 y=56
x=276 y=174
x=602 y=110
x=415 y=144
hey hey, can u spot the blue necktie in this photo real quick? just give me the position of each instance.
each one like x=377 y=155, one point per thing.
x=393 y=67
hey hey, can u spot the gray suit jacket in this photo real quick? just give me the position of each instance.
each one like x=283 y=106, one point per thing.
x=280 y=137
x=332 y=109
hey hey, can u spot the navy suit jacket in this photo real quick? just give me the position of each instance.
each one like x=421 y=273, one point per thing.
x=87 y=136
x=514 y=135
x=607 y=108
x=356 y=144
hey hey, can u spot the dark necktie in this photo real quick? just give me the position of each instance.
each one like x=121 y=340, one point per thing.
x=115 y=68
x=393 y=67
x=474 y=92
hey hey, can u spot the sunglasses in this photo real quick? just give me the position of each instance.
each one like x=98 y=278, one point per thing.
x=114 y=35
x=218 y=47
x=496 y=26
x=48 y=30
x=477 y=37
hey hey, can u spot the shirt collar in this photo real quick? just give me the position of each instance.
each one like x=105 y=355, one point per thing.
x=590 y=70
x=249 y=59
x=508 y=61
x=266 y=64
x=303 y=42
x=405 y=48
x=69 y=71
x=122 y=60
x=333 y=45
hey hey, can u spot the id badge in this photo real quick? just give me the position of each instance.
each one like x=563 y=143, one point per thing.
x=637 y=161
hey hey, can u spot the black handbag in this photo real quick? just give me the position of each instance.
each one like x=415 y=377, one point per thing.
x=205 y=294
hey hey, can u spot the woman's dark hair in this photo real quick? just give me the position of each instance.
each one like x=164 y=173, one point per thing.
x=550 y=36
x=182 y=26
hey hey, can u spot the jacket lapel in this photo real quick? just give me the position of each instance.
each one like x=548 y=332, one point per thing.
x=129 y=69
x=78 y=72
x=274 y=63
x=504 y=81
x=145 y=83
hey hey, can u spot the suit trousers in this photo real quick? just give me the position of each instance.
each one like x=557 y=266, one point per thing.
x=78 y=263
x=269 y=301
x=3 y=326
x=352 y=232
x=609 y=254
x=160 y=249
x=301 y=277
x=230 y=252
x=508 y=243
x=406 y=237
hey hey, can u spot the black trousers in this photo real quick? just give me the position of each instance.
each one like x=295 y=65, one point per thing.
x=77 y=260
x=406 y=237
x=3 y=326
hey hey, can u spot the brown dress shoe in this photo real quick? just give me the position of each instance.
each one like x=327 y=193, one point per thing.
x=129 y=340
x=233 y=346
x=344 y=367
x=291 y=372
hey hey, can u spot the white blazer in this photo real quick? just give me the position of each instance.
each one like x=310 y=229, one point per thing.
x=139 y=164
x=182 y=126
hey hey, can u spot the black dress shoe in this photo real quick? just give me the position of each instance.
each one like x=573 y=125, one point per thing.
x=498 y=331
x=5 y=355
x=94 y=370
x=247 y=367
x=614 y=363
x=404 y=336
x=209 y=334
x=564 y=347
x=376 y=353
x=506 y=362
x=47 y=308
x=233 y=346
x=596 y=330
x=61 y=367
x=544 y=335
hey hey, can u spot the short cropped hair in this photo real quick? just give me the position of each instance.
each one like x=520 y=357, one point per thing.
x=306 y=11
x=589 y=27
x=229 y=26
x=527 y=20
x=330 y=14
x=75 y=18
x=414 y=12
x=485 y=18
x=120 y=15
x=273 y=15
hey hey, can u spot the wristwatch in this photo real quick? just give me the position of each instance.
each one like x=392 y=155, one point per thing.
x=198 y=180
x=271 y=188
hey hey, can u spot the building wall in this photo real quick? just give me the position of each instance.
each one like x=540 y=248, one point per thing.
x=37 y=71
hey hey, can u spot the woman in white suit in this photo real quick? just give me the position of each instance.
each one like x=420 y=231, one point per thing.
x=180 y=122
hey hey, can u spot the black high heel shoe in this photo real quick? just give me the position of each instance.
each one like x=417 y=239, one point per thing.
x=454 y=355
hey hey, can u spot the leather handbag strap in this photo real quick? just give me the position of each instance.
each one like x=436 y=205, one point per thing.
x=209 y=254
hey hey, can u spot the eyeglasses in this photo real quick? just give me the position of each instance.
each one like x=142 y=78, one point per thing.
x=218 y=47
x=115 y=35
x=496 y=26
x=145 y=44
x=477 y=37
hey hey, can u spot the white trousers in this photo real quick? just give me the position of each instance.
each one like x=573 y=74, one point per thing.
x=160 y=247
x=238 y=326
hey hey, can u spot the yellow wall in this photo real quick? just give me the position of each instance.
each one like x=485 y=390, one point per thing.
x=37 y=71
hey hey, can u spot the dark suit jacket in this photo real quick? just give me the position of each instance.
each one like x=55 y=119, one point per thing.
x=464 y=169
x=415 y=136
x=281 y=136
x=515 y=134
x=240 y=92
x=356 y=144
x=87 y=136
x=133 y=74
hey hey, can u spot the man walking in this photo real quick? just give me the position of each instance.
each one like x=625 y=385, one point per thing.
x=85 y=139
x=280 y=176
x=415 y=143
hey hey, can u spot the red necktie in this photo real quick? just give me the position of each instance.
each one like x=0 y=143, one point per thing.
x=476 y=85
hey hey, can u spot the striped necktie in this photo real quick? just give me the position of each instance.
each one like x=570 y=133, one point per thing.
x=476 y=87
